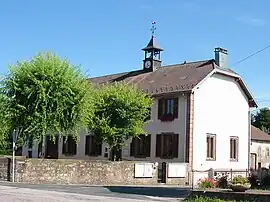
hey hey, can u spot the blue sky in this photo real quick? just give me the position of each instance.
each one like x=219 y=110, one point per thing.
x=106 y=36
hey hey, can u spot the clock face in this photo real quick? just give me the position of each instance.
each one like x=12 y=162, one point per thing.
x=147 y=64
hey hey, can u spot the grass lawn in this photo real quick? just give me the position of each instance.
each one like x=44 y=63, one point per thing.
x=205 y=199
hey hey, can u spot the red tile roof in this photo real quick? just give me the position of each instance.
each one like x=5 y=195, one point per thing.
x=172 y=78
x=258 y=134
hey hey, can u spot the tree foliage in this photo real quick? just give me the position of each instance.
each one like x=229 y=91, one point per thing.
x=262 y=119
x=120 y=113
x=44 y=96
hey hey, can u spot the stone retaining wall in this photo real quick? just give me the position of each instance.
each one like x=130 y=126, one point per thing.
x=67 y=171
x=5 y=169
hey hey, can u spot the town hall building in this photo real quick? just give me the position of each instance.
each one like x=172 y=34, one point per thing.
x=200 y=116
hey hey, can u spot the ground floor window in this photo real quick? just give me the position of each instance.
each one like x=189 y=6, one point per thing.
x=140 y=147
x=93 y=147
x=69 y=146
x=167 y=145
x=211 y=147
x=234 y=148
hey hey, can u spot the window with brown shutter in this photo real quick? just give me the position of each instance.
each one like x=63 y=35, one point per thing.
x=234 y=148
x=211 y=147
x=167 y=145
x=140 y=147
x=93 y=146
x=175 y=107
x=167 y=109
x=69 y=146
x=158 y=145
x=175 y=144
x=147 y=146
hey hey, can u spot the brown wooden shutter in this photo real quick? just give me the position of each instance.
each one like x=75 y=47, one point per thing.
x=98 y=146
x=147 y=145
x=160 y=103
x=158 y=145
x=175 y=107
x=175 y=145
x=72 y=146
x=132 y=147
x=64 y=145
x=87 y=144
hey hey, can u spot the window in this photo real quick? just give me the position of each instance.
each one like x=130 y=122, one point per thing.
x=140 y=147
x=69 y=146
x=167 y=108
x=93 y=146
x=211 y=147
x=267 y=152
x=30 y=147
x=234 y=148
x=167 y=145
x=259 y=151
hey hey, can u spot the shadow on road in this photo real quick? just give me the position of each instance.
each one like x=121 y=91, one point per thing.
x=170 y=192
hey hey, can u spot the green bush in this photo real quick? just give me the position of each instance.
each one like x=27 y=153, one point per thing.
x=240 y=180
x=222 y=182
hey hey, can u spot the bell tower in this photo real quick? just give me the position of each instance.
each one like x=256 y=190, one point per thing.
x=152 y=59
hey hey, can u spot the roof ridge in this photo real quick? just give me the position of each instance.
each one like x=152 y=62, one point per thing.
x=191 y=62
x=128 y=72
x=114 y=74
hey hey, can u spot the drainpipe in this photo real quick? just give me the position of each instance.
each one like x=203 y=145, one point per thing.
x=249 y=136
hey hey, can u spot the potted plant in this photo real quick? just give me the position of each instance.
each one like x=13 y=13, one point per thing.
x=207 y=183
x=240 y=184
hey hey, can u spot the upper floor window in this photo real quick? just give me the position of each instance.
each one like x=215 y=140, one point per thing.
x=140 y=147
x=234 y=148
x=93 y=147
x=69 y=145
x=167 y=109
x=211 y=147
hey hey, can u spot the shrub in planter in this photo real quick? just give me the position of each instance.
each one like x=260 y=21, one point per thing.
x=222 y=182
x=240 y=184
x=207 y=183
x=253 y=180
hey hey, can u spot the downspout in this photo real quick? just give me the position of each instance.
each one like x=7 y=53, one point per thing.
x=249 y=136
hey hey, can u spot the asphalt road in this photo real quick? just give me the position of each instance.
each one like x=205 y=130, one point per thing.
x=10 y=192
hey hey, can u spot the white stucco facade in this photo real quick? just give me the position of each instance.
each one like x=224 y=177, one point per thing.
x=220 y=108
x=155 y=126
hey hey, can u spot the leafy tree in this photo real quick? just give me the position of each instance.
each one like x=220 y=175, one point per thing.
x=121 y=112
x=262 y=119
x=44 y=96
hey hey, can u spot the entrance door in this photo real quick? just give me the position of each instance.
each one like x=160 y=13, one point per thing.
x=51 y=148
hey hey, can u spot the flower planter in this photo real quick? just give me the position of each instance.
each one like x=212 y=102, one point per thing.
x=240 y=187
x=167 y=117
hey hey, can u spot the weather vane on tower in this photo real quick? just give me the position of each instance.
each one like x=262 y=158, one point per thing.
x=153 y=28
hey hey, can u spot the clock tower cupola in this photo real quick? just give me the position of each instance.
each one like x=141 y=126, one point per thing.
x=152 y=59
